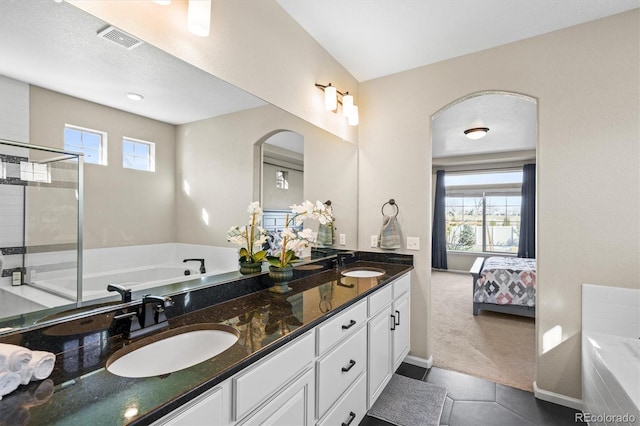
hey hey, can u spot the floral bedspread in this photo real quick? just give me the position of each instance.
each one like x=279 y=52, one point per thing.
x=507 y=281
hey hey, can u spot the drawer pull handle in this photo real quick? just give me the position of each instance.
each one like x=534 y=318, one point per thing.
x=352 y=416
x=351 y=364
x=398 y=317
x=393 y=322
x=351 y=324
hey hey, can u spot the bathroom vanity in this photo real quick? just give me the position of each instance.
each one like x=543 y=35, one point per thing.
x=320 y=354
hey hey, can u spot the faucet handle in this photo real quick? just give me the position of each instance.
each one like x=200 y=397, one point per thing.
x=125 y=293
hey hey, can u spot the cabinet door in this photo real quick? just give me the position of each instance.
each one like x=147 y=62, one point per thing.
x=292 y=406
x=402 y=314
x=380 y=359
x=208 y=409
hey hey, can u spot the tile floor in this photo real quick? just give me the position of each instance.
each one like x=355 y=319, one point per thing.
x=478 y=402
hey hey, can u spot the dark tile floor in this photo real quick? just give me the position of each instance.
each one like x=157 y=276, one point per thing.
x=477 y=402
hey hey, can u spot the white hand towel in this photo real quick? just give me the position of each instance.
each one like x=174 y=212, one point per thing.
x=9 y=381
x=42 y=364
x=25 y=374
x=15 y=357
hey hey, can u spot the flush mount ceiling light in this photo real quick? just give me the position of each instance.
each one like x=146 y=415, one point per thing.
x=199 y=17
x=333 y=97
x=135 y=96
x=476 y=132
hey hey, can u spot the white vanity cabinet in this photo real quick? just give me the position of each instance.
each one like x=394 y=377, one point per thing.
x=330 y=375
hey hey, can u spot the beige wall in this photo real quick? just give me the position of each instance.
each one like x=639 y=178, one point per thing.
x=121 y=206
x=216 y=157
x=586 y=81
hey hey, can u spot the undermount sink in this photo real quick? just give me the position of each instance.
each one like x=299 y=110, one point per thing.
x=363 y=272
x=172 y=350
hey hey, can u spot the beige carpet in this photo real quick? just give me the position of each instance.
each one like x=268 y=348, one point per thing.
x=497 y=347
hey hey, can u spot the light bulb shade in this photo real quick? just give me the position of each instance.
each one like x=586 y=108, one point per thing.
x=476 y=132
x=354 y=118
x=347 y=105
x=330 y=98
x=199 y=17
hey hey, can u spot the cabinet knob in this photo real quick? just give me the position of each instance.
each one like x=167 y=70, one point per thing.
x=352 y=416
x=351 y=324
x=351 y=364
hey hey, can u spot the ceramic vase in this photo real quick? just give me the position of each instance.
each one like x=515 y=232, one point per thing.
x=250 y=267
x=280 y=278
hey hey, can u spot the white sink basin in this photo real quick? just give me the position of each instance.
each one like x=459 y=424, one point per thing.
x=172 y=350
x=363 y=272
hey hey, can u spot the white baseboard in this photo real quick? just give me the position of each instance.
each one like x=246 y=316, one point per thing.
x=557 y=398
x=420 y=362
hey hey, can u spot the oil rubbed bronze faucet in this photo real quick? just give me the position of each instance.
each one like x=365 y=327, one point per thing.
x=203 y=270
x=150 y=317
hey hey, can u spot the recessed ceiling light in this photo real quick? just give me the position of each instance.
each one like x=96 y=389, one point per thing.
x=135 y=96
x=476 y=132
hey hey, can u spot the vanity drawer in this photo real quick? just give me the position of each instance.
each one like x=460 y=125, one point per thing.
x=267 y=376
x=401 y=285
x=339 y=369
x=380 y=299
x=342 y=325
x=351 y=408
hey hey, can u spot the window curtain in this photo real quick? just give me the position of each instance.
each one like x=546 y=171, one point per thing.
x=439 y=234
x=527 y=244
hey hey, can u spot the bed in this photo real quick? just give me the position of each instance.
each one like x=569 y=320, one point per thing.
x=504 y=284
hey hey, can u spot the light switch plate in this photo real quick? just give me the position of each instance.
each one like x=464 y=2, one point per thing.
x=343 y=239
x=413 y=243
x=374 y=241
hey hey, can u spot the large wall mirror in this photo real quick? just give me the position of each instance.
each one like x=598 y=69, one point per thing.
x=56 y=72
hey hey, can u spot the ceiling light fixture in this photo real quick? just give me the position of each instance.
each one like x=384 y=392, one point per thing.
x=199 y=17
x=135 y=96
x=333 y=97
x=476 y=132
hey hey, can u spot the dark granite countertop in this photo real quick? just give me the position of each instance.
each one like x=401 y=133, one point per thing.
x=81 y=391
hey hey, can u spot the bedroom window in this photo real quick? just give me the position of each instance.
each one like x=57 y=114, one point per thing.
x=483 y=211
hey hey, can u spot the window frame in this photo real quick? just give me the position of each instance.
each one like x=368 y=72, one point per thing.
x=102 y=148
x=151 y=163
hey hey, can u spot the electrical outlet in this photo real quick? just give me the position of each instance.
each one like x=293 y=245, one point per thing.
x=413 y=243
x=343 y=239
x=374 y=241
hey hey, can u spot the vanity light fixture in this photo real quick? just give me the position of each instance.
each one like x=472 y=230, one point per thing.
x=135 y=96
x=199 y=17
x=333 y=97
x=476 y=132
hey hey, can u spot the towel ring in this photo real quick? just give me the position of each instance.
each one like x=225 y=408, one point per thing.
x=391 y=202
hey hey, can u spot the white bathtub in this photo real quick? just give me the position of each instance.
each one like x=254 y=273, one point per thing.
x=610 y=355
x=611 y=378
x=95 y=285
x=134 y=267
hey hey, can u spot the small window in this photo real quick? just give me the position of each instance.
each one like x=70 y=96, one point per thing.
x=92 y=143
x=282 y=179
x=34 y=172
x=138 y=155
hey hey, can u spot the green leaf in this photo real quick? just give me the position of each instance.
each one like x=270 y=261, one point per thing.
x=259 y=256
x=274 y=261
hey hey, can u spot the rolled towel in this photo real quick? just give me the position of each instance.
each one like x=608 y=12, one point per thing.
x=16 y=357
x=9 y=381
x=42 y=364
x=25 y=374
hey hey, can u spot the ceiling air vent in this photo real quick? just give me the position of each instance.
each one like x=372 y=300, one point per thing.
x=120 y=38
